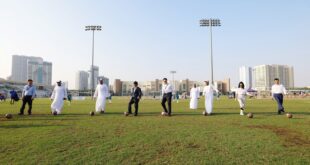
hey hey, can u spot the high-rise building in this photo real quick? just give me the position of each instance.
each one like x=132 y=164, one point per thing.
x=245 y=75
x=28 y=67
x=105 y=80
x=263 y=76
x=126 y=87
x=40 y=73
x=96 y=75
x=226 y=86
x=81 y=80
x=117 y=87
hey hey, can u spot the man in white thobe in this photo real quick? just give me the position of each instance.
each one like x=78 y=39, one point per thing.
x=58 y=96
x=208 y=92
x=194 y=95
x=101 y=93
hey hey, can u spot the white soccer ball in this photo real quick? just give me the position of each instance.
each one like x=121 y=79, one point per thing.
x=204 y=113
x=8 y=116
x=126 y=113
x=250 y=115
x=164 y=113
x=289 y=115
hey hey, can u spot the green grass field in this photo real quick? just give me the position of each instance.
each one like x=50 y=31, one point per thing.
x=185 y=138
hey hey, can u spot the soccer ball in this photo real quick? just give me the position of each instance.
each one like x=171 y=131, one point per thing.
x=289 y=115
x=250 y=115
x=55 y=113
x=91 y=113
x=204 y=113
x=164 y=113
x=126 y=113
x=8 y=116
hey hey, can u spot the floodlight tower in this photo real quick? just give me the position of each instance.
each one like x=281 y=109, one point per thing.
x=173 y=72
x=209 y=23
x=92 y=28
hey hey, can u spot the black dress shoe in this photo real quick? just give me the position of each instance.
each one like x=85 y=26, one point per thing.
x=102 y=112
x=20 y=114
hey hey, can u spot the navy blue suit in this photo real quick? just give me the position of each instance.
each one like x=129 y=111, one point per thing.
x=136 y=95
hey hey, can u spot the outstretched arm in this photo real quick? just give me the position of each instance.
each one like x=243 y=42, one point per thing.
x=53 y=94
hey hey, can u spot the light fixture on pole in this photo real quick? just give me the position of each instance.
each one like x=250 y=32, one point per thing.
x=210 y=22
x=92 y=28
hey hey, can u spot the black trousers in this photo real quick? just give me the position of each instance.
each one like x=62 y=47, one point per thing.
x=279 y=99
x=133 y=101
x=26 y=99
x=12 y=101
x=167 y=97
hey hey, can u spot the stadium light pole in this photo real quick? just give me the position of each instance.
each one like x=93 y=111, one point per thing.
x=92 y=28
x=173 y=72
x=209 y=23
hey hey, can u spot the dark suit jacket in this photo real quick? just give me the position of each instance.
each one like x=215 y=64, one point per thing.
x=136 y=93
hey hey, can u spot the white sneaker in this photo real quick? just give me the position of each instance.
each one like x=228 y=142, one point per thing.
x=241 y=112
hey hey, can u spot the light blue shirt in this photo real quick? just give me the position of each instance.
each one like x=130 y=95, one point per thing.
x=29 y=91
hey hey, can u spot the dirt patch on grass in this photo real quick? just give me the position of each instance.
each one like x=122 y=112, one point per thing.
x=290 y=138
x=119 y=132
x=192 y=145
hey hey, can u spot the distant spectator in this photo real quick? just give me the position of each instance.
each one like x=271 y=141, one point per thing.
x=177 y=96
x=2 y=97
x=69 y=98
x=14 y=96
x=110 y=98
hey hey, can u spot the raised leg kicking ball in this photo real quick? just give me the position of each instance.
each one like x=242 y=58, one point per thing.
x=8 y=116
x=250 y=115
x=289 y=115
x=91 y=113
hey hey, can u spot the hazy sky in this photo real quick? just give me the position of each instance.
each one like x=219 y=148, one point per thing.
x=145 y=39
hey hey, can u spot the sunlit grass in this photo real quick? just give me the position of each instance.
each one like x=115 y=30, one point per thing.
x=187 y=137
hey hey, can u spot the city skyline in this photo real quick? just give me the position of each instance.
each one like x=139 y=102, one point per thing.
x=144 y=40
x=154 y=87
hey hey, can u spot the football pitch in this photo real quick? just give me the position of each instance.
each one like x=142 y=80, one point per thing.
x=187 y=137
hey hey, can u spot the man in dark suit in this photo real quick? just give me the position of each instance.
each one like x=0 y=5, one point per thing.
x=136 y=95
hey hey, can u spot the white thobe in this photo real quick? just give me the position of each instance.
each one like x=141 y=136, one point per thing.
x=58 y=95
x=101 y=93
x=194 y=95
x=241 y=94
x=208 y=92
